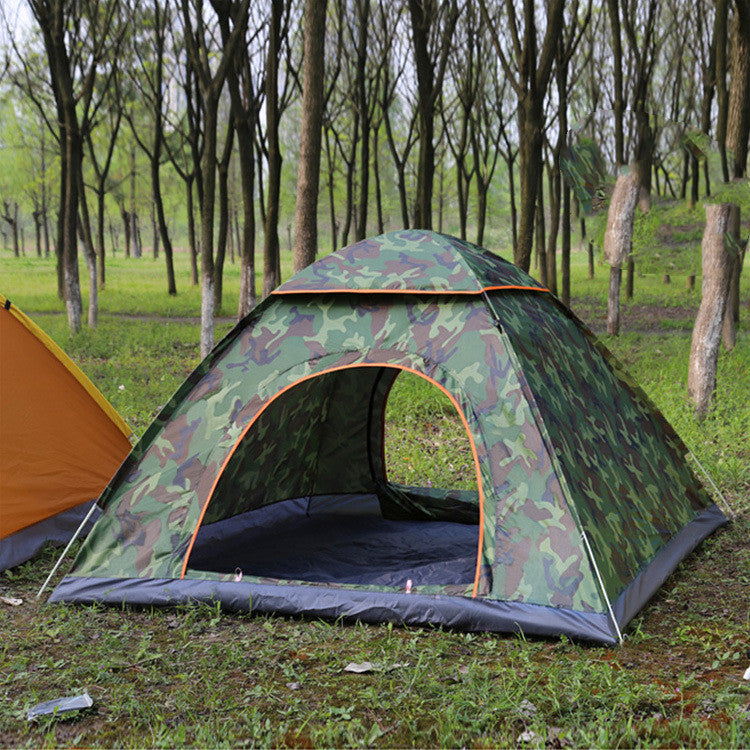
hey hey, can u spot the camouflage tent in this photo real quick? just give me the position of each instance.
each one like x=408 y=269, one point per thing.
x=262 y=483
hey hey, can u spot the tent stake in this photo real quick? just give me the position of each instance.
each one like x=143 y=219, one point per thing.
x=65 y=551
x=728 y=507
x=601 y=585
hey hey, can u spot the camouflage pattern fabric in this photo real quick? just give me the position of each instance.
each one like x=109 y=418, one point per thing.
x=622 y=465
x=410 y=259
x=289 y=404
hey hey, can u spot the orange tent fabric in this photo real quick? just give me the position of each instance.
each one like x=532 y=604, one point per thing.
x=60 y=439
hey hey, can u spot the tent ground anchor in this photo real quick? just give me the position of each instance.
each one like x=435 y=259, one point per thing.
x=727 y=506
x=601 y=584
x=65 y=551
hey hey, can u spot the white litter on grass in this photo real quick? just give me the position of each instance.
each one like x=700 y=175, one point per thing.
x=61 y=706
x=528 y=737
x=11 y=601
x=746 y=676
x=359 y=668
x=368 y=666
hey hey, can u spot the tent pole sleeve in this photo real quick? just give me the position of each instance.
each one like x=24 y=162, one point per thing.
x=601 y=584
x=728 y=507
x=67 y=547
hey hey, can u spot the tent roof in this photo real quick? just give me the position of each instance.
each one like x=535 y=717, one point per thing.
x=412 y=260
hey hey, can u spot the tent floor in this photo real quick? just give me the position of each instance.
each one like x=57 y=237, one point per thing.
x=340 y=539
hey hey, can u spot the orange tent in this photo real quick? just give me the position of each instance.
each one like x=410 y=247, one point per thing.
x=60 y=440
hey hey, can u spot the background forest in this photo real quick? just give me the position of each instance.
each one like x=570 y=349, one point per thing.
x=224 y=131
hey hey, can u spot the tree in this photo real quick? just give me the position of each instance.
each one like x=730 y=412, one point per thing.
x=211 y=82
x=459 y=115
x=399 y=112
x=308 y=173
x=738 y=118
x=245 y=92
x=149 y=48
x=529 y=76
x=568 y=41
x=101 y=165
x=77 y=38
x=271 y=261
x=432 y=25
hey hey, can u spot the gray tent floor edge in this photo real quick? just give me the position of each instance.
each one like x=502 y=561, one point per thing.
x=650 y=579
x=24 y=544
x=452 y=612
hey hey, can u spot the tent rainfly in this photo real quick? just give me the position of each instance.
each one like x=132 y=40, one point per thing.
x=60 y=440
x=262 y=484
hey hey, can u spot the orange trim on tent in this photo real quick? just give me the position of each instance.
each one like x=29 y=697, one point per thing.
x=68 y=364
x=280 y=393
x=281 y=292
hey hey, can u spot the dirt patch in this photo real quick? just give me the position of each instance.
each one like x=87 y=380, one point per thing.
x=636 y=317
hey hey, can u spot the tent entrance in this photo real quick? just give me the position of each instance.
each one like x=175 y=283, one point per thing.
x=306 y=496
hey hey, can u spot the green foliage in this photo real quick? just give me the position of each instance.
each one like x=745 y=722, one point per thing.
x=667 y=240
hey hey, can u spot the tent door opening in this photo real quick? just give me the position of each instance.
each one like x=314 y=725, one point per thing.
x=306 y=495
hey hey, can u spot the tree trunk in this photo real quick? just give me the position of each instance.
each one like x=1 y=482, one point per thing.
x=420 y=27
x=70 y=167
x=192 y=239
x=613 y=301
x=565 y=249
x=530 y=122
x=630 y=278
x=45 y=218
x=731 y=316
x=331 y=181
x=482 y=188
x=224 y=227
x=618 y=242
x=363 y=105
x=378 y=189
x=704 y=351
x=134 y=234
x=591 y=259
x=100 y=249
x=154 y=233
x=126 y=228
x=208 y=207
x=618 y=104
x=84 y=226
x=308 y=171
x=722 y=98
x=544 y=260
x=555 y=184
x=738 y=118
x=271 y=275
x=513 y=210
x=350 y=161
x=37 y=234
x=162 y=221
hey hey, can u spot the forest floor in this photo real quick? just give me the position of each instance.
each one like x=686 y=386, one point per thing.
x=196 y=676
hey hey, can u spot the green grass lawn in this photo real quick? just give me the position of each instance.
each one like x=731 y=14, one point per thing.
x=198 y=677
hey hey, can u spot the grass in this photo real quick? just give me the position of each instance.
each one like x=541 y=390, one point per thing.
x=195 y=676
